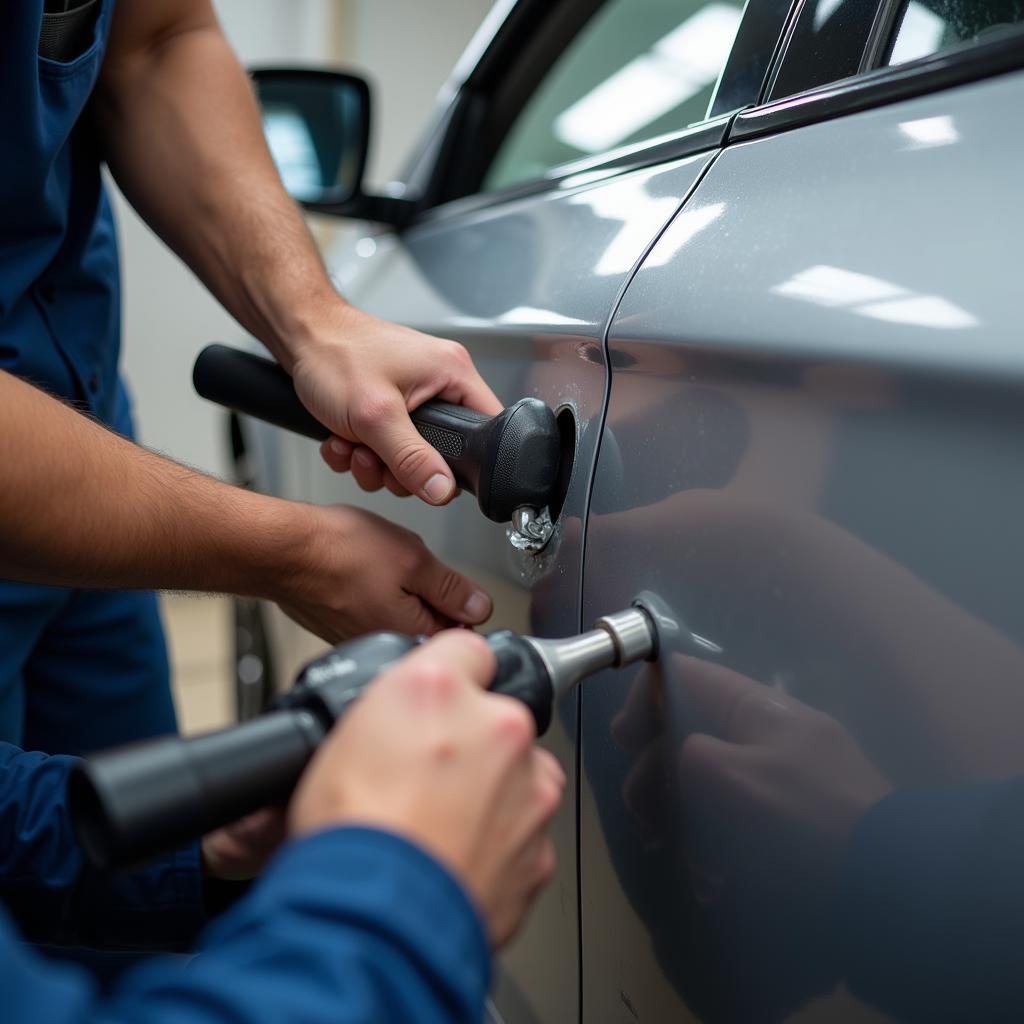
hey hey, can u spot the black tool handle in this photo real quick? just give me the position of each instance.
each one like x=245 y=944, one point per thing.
x=130 y=803
x=256 y=386
x=133 y=802
x=329 y=684
x=507 y=462
x=521 y=673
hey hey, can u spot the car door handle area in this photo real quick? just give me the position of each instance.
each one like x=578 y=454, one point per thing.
x=509 y=462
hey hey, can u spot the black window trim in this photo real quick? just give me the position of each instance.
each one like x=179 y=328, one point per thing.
x=882 y=35
x=781 y=48
x=883 y=85
x=700 y=138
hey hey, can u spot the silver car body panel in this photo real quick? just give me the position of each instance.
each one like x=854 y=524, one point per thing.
x=813 y=455
x=529 y=287
x=807 y=447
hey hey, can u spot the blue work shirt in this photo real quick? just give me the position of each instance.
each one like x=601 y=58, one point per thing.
x=55 y=899
x=350 y=925
x=59 y=288
x=77 y=670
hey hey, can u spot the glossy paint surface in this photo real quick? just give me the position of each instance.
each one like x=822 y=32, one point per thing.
x=529 y=288
x=813 y=455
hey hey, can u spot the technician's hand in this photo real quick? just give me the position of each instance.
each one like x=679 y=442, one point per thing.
x=362 y=381
x=239 y=851
x=429 y=755
x=362 y=573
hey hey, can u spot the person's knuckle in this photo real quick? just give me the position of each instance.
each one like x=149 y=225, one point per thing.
x=547 y=862
x=458 y=353
x=467 y=638
x=458 y=642
x=370 y=410
x=434 y=679
x=549 y=797
x=449 y=585
x=412 y=555
x=476 y=647
x=514 y=725
x=411 y=458
x=552 y=766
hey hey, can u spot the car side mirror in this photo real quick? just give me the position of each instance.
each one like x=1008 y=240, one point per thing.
x=317 y=125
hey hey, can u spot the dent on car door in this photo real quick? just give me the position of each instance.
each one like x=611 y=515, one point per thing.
x=817 y=394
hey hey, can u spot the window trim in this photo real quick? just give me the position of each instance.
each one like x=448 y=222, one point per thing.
x=781 y=46
x=447 y=191
x=699 y=138
x=881 y=39
x=881 y=86
x=787 y=56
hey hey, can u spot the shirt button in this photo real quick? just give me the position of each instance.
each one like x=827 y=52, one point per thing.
x=94 y=383
x=49 y=293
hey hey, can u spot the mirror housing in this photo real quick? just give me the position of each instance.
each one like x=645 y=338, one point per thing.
x=317 y=126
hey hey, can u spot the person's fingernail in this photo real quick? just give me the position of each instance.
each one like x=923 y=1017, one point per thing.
x=364 y=458
x=478 y=607
x=438 y=487
x=340 y=447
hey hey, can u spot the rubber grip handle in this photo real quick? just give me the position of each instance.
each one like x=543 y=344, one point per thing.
x=521 y=673
x=509 y=461
x=256 y=386
x=132 y=802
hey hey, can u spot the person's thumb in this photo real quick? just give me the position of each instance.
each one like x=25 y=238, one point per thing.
x=450 y=593
x=417 y=466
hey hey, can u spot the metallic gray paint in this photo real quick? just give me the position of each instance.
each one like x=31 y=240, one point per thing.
x=812 y=455
x=529 y=288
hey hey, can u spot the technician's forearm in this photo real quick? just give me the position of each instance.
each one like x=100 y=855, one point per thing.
x=184 y=141
x=80 y=506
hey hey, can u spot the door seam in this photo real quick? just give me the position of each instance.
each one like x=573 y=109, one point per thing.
x=606 y=401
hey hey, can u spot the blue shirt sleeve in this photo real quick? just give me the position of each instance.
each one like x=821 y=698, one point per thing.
x=55 y=898
x=351 y=926
x=931 y=913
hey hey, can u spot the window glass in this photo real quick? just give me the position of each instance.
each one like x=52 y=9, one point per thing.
x=828 y=42
x=638 y=69
x=928 y=26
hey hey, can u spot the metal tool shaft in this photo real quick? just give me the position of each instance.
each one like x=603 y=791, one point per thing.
x=617 y=640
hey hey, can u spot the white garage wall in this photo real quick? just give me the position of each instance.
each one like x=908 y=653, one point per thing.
x=407 y=48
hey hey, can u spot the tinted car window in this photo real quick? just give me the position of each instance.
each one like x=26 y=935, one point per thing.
x=637 y=69
x=828 y=43
x=928 y=26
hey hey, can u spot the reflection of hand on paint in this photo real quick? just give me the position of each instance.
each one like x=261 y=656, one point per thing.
x=757 y=795
x=773 y=773
x=858 y=634
x=758 y=770
x=808 y=871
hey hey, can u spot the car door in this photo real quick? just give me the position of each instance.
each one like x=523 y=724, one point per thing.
x=571 y=141
x=812 y=458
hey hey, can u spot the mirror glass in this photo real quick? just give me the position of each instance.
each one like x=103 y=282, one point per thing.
x=317 y=126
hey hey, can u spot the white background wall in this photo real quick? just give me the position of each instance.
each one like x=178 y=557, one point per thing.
x=406 y=48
